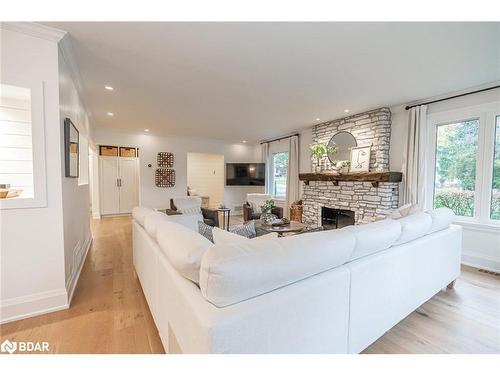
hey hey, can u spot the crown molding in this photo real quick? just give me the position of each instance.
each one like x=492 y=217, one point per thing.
x=35 y=29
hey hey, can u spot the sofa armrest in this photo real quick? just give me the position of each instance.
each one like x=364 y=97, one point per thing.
x=210 y=214
x=247 y=212
x=278 y=211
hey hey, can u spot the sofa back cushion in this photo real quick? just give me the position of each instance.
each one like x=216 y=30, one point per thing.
x=188 y=221
x=234 y=272
x=413 y=227
x=139 y=214
x=151 y=222
x=441 y=219
x=183 y=247
x=374 y=237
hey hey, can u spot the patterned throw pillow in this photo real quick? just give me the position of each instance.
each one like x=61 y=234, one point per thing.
x=205 y=230
x=246 y=230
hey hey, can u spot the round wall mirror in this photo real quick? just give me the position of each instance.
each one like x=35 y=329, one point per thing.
x=344 y=141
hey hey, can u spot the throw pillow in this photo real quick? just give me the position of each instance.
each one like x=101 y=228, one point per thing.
x=246 y=230
x=205 y=230
x=224 y=237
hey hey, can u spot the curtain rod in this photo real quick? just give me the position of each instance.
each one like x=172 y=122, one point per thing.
x=280 y=138
x=452 y=97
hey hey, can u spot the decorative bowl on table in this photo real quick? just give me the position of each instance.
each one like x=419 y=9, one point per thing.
x=280 y=222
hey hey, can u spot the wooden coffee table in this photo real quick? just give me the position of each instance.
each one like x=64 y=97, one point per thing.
x=293 y=227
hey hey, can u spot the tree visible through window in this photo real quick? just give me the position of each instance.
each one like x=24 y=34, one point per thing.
x=455 y=178
x=495 y=193
x=280 y=168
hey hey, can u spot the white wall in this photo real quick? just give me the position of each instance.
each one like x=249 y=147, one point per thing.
x=206 y=175
x=76 y=205
x=481 y=244
x=32 y=244
x=149 y=145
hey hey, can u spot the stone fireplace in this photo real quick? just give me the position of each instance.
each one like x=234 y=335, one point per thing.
x=367 y=200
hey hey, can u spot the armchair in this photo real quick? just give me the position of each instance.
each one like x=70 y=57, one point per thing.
x=192 y=205
x=251 y=208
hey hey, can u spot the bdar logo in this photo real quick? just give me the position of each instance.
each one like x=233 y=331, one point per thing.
x=8 y=347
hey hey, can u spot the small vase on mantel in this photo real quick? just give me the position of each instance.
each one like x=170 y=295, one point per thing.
x=317 y=168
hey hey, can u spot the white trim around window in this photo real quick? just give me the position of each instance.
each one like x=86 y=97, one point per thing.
x=486 y=113
x=39 y=198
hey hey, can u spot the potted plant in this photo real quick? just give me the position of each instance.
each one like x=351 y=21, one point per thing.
x=343 y=166
x=319 y=151
x=267 y=217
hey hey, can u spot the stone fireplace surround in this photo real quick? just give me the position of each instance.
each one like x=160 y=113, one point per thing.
x=369 y=203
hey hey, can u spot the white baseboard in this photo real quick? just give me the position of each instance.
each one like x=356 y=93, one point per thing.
x=32 y=305
x=96 y=215
x=73 y=280
x=481 y=261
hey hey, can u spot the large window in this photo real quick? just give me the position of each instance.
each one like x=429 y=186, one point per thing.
x=465 y=163
x=456 y=158
x=279 y=173
x=495 y=190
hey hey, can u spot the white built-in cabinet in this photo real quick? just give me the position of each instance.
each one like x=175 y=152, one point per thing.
x=119 y=184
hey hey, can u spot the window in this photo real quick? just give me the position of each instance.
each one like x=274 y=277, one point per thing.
x=16 y=149
x=456 y=158
x=279 y=172
x=495 y=188
x=464 y=173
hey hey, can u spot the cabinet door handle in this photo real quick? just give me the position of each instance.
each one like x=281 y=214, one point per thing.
x=118 y=182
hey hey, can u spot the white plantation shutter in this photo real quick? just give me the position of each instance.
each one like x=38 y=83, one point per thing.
x=16 y=154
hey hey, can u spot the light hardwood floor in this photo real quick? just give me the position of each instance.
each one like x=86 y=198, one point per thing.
x=109 y=313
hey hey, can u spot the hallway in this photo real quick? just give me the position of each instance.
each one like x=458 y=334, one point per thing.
x=109 y=313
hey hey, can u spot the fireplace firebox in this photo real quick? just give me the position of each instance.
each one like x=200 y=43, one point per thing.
x=332 y=218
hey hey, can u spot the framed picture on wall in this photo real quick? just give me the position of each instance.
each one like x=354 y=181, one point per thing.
x=360 y=159
x=71 y=149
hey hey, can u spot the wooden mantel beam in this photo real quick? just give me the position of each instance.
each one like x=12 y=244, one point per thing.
x=374 y=177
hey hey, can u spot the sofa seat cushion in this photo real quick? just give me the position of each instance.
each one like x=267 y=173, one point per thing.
x=139 y=214
x=441 y=219
x=374 y=237
x=183 y=247
x=234 y=272
x=413 y=227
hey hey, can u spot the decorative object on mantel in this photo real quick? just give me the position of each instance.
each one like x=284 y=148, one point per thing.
x=360 y=159
x=319 y=151
x=343 y=142
x=343 y=166
x=373 y=177
x=165 y=159
x=267 y=217
x=164 y=177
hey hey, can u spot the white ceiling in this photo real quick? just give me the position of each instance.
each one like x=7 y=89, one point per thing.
x=253 y=81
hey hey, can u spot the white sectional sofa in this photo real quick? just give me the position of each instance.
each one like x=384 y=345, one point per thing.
x=324 y=292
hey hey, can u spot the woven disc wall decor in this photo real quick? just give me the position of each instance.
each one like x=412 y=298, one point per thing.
x=165 y=159
x=165 y=177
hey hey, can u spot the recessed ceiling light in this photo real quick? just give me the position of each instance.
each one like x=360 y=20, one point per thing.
x=346 y=111
x=243 y=141
x=110 y=114
x=318 y=119
x=146 y=130
x=109 y=88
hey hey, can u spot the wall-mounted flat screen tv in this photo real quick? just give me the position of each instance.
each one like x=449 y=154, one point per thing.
x=245 y=174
